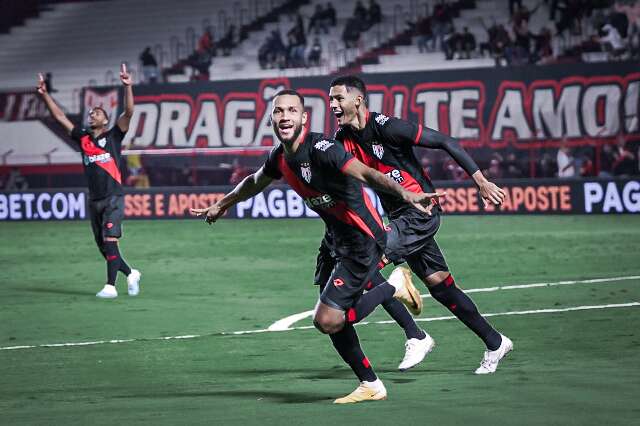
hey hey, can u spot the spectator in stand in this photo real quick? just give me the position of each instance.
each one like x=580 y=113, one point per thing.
x=441 y=21
x=15 y=181
x=467 y=44
x=205 y=43
x=318 y=21
x=238 y=173
x=565 y=161
x=351 y=33
x=607 y=157
x=570 y=15
x=512 y=167
x=624 y=160
x=450 y=42
x=543 y=51
x=138 y=177
x=360 y=12
x=228 y=41
x=512 y=3
x=497 y=41
x=374 y=14
x=548 y=165
x=149 y=66
x=520 y=52
x=612 y=41
x=587 y=169
x=315 y=53
x=330 y=15
x=426 y=41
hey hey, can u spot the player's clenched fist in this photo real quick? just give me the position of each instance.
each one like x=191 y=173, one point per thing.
x=42 y=85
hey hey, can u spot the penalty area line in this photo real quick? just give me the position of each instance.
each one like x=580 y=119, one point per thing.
x=236 y=333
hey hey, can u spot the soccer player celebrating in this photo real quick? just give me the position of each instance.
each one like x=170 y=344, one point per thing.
x=330 y=181
x=101 y=158
x=386 y=144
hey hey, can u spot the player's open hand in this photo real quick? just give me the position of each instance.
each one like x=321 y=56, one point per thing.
x=210 y=214
x=424 y=201
x=42 y=86
x=491 y=193
x=125 y=77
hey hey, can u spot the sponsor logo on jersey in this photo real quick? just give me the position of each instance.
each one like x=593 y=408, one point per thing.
x=396 y=175
x=102 y=142
x=378 y=150
x=100 y=158
x=305 y=169
x=323 y=145
x=323 y=201
x=381 y=119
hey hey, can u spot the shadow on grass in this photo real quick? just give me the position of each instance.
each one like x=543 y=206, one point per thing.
x=282 y=397
x=54 y=290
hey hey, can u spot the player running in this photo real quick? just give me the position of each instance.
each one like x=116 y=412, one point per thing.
x=330 y=181
x=386 y=144
x=101 y=158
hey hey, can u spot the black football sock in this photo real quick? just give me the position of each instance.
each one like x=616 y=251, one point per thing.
x=398 y=311
x=466 y=311
x=347 y=345
x=124 y=267
x=368 y=302
x=113 y=261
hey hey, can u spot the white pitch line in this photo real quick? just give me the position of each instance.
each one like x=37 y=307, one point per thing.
x=235 y=333
x=287 y=322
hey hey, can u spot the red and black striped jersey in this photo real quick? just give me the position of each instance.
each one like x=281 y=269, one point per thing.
x=386 y=144
x=101 y=158
x=316 y=172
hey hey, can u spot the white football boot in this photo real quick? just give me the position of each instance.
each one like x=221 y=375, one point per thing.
x=107 y=292
x=490 y=361
x=415 y=351
x=133 y=282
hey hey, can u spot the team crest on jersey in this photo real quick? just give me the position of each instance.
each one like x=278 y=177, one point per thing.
x=102 y=142
x=378 y=150
x=323 y=145
x=305 y=169
x=381 y=119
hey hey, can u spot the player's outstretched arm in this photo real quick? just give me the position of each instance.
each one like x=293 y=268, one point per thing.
x=489 y=191
x=379 y=182
x=250 y=186
x=125 y=117
x=53 y=108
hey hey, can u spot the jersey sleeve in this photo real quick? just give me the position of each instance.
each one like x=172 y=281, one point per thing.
x=330 y=154
x=399 y=132
x=271 y=165
x=77 y=133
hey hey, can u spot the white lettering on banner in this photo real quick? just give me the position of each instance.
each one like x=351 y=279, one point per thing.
x=238 y=131
x=398 y=102
x=631 y=107
x=610 y=198
x=431 y=101
x=556 y=119
x=458 y=114
x=172 y=126
x=276 y=203
x=295 y=204
x=259 y=207
x=610 y=124
x=511 y=116
x=375 y=101
x=30 y=206
x=206 y=126
x=148 y=114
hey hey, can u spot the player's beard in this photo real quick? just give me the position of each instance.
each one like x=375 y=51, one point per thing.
x=297 y=129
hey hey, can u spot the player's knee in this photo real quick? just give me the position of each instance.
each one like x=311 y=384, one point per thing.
x=435 y=279
x=327 y=324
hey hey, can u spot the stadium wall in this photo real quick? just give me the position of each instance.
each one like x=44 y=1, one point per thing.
x=543 y=196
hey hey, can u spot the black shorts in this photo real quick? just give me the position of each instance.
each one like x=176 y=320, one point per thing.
x=106 y=217
x=411 y=238
x=343 y=274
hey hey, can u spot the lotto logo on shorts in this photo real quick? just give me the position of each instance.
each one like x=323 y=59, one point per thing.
x=338 y=282
x=109 y=225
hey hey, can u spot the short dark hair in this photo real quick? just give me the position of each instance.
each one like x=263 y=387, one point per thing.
x=289 y=92
x=103 y=111
x=351 y=82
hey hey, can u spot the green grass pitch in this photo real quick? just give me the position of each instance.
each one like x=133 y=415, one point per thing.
x=577 y=367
